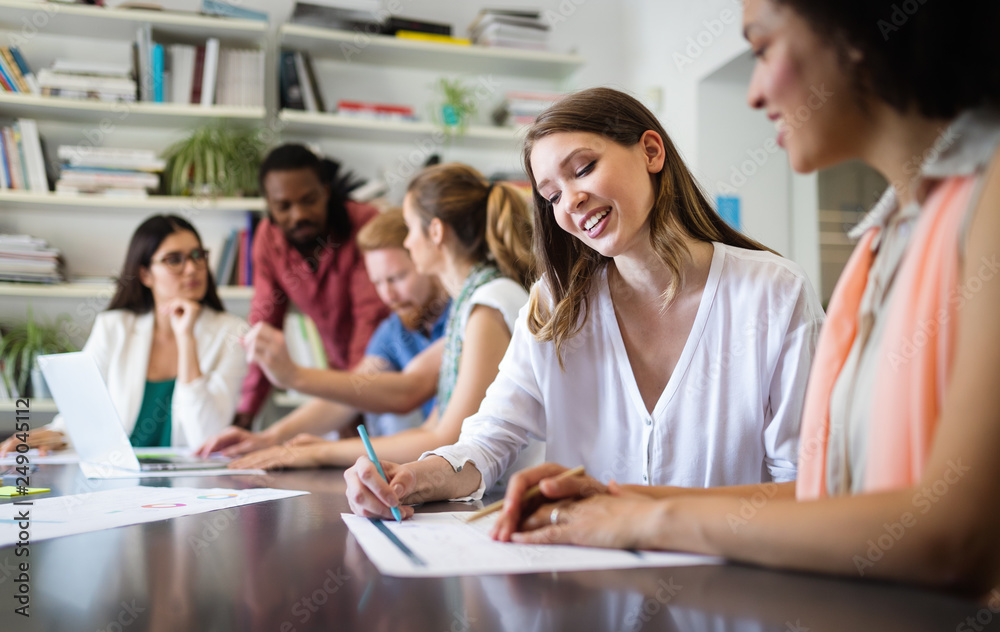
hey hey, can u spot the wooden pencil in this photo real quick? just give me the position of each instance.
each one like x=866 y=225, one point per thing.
x=528 y=495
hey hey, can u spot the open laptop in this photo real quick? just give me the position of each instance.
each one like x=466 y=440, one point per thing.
x=92 y=421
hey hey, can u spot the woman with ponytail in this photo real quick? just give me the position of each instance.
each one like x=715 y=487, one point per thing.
x=661 y=346
x=475 y=236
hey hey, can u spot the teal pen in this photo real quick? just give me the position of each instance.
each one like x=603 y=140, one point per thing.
x=374 y=459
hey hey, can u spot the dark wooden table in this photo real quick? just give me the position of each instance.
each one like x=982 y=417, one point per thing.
x=291 y=564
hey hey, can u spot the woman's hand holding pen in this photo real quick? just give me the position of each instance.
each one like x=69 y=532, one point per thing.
x=371 y=496
x=515 y=509
x=266 y=346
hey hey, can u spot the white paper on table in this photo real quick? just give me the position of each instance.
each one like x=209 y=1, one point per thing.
x=107 y=509
x=446 y=546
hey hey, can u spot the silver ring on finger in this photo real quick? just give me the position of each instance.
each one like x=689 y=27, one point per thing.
x=554 y=516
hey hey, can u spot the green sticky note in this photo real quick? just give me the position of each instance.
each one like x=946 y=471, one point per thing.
x=12 y=491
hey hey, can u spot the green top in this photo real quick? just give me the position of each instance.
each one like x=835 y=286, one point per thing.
x=152 y=426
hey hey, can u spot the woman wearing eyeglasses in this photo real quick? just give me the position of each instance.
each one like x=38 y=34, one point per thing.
x=167 y=350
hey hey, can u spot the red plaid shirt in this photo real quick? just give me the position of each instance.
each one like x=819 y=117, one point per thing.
x=338 y=296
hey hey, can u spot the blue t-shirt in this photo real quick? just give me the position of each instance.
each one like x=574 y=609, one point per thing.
x=398 y=345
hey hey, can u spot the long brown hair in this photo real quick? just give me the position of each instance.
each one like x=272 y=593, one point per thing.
x=491 y=222
x=680 y=210
x=130 y=293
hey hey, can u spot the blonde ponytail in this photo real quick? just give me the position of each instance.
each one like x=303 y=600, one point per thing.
x=508 y=233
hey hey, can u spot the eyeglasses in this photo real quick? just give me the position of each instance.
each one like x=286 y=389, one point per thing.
x=175 y=261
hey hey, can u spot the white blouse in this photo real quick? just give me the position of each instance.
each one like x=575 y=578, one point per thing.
x=729 y=414
x=120 y=344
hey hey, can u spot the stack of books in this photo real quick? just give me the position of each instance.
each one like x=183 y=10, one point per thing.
x=372 y=22
x=522 y=108
x=22 y=158
x=81 y=79
x=26 y=258
x=15 y=75
x=510 y=29
x=108 y=171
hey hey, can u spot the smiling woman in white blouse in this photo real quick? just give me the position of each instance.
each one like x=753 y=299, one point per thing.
x=661 y=347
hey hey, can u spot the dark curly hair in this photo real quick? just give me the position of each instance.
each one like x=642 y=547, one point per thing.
x=938 y=56
x=292 y=157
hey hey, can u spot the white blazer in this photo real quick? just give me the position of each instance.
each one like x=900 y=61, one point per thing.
x=120 y=344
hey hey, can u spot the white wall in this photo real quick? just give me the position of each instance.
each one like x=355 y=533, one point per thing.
x=694 y=54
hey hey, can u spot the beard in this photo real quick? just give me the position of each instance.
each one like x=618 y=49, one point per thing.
x=412 y=316
x=303 y=235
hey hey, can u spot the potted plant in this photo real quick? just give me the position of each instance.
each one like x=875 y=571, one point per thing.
x=214 y=160
x=458 y=105
x=21 y=345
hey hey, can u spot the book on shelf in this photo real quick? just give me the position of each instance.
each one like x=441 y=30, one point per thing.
x=108 y=171
x=298 y=87
x=235 y=264
x=30 y=259
x=289 y=83
x=510 y=29
x=375 y=111
x=432 y=37
x=211 y=70
x=229 y=9
x=328 y=17
x=23 y=158
x=522 y=108
x=395 y=23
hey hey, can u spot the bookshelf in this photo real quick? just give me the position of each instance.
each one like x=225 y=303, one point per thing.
x=67 y=121
x=383 y=50
x=348 y=127
x=76 y=20
x=92 y=111
x=98 y=290
x=140 y=206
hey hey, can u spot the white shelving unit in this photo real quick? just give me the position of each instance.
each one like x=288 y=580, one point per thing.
x=80 y=20
x=99 y=290
x=394 y=131
x=383 y=50
x=93 y=111
x=142 y=206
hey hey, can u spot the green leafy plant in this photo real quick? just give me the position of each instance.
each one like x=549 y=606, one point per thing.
x=458 y=105
x=214 y=160
x=22 y=344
